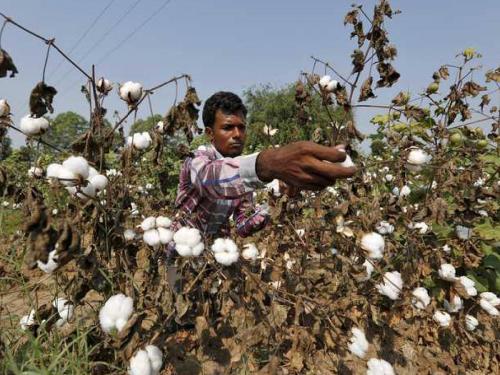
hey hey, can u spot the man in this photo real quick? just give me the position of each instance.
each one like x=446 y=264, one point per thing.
x=218 y=182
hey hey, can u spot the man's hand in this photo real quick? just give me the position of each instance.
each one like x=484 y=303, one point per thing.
x=305 y=165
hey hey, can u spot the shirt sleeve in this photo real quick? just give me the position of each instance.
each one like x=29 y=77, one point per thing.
x=227 y=178
x=248 y=219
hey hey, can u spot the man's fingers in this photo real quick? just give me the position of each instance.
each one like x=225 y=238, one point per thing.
x=330 y=171
x=332 y=154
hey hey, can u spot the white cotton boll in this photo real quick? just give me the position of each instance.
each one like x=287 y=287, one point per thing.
x=374 y=244
x=324 y=81
x=369 y=269
x=225 y=251
x=454 y=305
x=53 y=170
x=479 y=182
x=470 y=322
x=198 y=249
x=99 y=182
x=418 y=157
x=250 y=252
x=35 y=172
x=140 y=364
x=92 y=171
x=86 y=192
x=421 y=226
x=491 y=298
x=446 y=249
x=65 y=310
x=442 y=318
x=27 y=320
x=379 y=367
x=51 y=264
x=152 y=237
x=78 y=165
x=447 y=272
x=4 y=108
x=148 y=223
x=160 y=127
x=104 y=85
x=347 y=163
x=129 y=235
x=332 y=85
x=488 y=307
x=155 y=357
x=142 y=141
x=183 y=250
x=165 y=235
x=130 y=91
x=391 y=286
x=300 y=232
x=33 y=125
x=467 y=286
x=384 y=227
x=116 y=312
x=163 y=222
x=389 y=177
x=67 y=178
x=359 y=344
x=274 y=187
x=188 y=242
x=405 y=191
x=421 y=298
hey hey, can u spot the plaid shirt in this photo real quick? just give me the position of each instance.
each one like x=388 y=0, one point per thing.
x=212 y=188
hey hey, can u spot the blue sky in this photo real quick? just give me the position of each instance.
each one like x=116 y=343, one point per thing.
x=229 y=44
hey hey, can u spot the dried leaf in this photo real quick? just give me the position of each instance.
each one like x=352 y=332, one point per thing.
x=366 y=90
x=7 y=64
x=41 y=99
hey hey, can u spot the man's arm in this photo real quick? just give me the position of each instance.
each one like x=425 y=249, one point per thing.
x=248 y=219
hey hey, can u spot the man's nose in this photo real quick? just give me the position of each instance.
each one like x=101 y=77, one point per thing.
x=238 y=133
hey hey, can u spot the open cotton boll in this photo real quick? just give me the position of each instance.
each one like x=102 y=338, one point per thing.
x=416 y=158
x=140 y=364
x=359 y=344
x=148 y=223
x=129 y=235
x=421 y=226
x=86 y=192
x=347 y=163
x=442 y=318
x=99 y=181
x=51 y=264
x=225 y=251
x=142 y=141
x=163 y=222
x=332 y=85
x=420 y=298
x=155 y=357
x=116 y=312
x=374 y=244
x=405 y=191
x=35 y=172
x=392 y=285
x=64 y=309
x=165 y=235
x=447 y=272
x=324 y=81
x=33 y=125
x=27 y=320
x=384 y=227
x=488 y=302
x=77 y=165
x=250 y=252
x=130 y=91
x=66 y=177
x=151 y=237
x=466 y=286
x=104 y=85
x=369 y=269
x=160 y=127
x=454 y=305
x=4 y=108
x=470 y=322
x=188 y=242
x=379 y=367
x=53 y=170
x=274 y=187
x=491 y=298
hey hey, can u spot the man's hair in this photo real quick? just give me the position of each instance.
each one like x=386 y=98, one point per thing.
x=228 y=102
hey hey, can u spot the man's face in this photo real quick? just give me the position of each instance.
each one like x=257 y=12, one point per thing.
x=228 y=133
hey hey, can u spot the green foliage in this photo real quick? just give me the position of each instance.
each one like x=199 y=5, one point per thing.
x=5 y=147
x=143 y=125
x=64 y=129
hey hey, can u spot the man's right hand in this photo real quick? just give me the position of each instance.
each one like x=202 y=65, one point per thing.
x=305 y=165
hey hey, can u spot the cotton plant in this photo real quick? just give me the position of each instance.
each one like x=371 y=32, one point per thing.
x=27 y=321
x=156 y=231
x=104 y=86
x=489 y=302
x=33 y=126
x=225 y=251
x=147 y=361
x=327 y=84
x=358 y=343
x=65 y=310
x=391 y=286
x=373 y=244
x=470 y=322
x=379 y=367
x=454 y=305
x=442 y=318
x=420 y=298
x=51 y=264
x=116 y=312
x=140 y=141
x=466 y=286
x=417 y=158
x=130 y=92
x=250 y=252
x=447 y=272
x=188 y=242
x=384 y=227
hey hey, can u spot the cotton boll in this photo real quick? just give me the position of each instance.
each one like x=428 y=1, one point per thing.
x=188 y=242
x=374 y=244
x=420 y=298
x=379 y=367
x=155 y=357
x=77 y=165
x=369 y=269
x=148 y=223
x=27 y=320
x=442 y=318
x=491 y=298
x=416 y=158
x=163 y=221
x=152 y=237
x=141 y=141
x=4 y=108
x=454 y=305
x=104 y=86
x=140 y=364
x=447 y=272
x=225 y=251
x=332 y=85
x=347 y=163
x=51 y=264
x=165 y=235
x=488 y=307
x=405 y=191
x=130 y=91
x=358 y=343
x=160 y=127
x=129 y=235
x=421 y=226
x=466 y=286
x=65 y=310
x=384 y=227
x=67 y=178
x=470 y=322
x=99 y=182
x=250 y=252
x=446 y=249
x=324 y=81
x=53 y=170
x=33 y=126
x=392 y=285
x=86 y=192
x=116 y=312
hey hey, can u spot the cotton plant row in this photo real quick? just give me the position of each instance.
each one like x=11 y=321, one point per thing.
x=79 y=178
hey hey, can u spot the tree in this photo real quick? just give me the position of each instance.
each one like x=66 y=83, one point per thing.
x=146 y=124
x=64 y=129
x=5 y=148
x=277 y=109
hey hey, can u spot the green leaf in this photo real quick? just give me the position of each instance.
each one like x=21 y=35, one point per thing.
x=480 y=282
x=488 y=231
x=442 y=231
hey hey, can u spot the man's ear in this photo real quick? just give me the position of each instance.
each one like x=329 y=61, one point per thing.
x=209 y=133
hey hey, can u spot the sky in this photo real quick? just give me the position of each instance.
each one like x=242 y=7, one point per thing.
x=227 y=45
